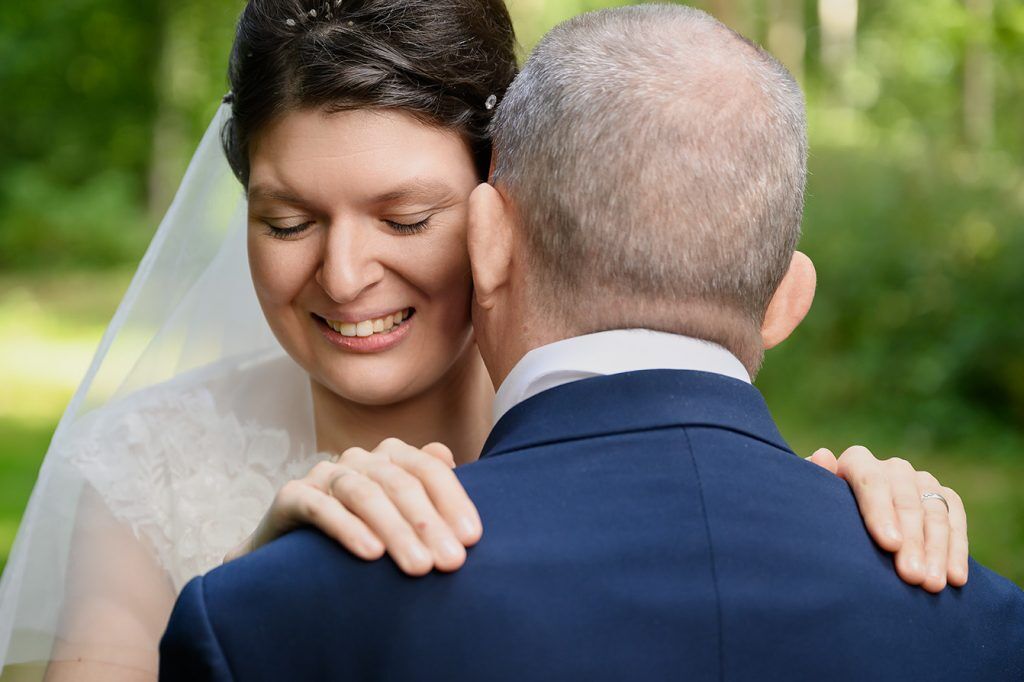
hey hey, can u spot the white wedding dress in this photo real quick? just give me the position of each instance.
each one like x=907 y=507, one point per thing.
x=189 y=419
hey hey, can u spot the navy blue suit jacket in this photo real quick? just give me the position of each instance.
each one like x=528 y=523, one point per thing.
x=644 y=526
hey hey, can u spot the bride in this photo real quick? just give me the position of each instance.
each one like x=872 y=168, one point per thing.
x=323 y=311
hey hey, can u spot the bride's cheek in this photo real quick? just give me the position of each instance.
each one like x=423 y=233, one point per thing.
x=281 y=270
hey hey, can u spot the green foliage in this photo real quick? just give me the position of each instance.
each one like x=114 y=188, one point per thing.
x=915 y=211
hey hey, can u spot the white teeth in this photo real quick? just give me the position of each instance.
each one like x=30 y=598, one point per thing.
x=368 y=327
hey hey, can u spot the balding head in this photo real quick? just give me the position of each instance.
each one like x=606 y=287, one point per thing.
x=655 y=163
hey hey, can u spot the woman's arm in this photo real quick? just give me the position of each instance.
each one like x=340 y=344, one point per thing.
x=117 y=603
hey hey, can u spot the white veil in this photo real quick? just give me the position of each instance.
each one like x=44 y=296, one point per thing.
x=188 y=418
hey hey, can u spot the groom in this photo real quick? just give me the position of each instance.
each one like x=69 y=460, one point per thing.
x=633 y=257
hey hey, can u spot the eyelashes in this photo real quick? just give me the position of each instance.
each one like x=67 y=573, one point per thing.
x=285 y=232
x=278 y=232
x=409 y=228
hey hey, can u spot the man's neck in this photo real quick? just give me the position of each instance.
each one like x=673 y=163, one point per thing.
x=611 y=352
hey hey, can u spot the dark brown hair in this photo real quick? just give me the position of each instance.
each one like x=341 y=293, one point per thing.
x=438 y=60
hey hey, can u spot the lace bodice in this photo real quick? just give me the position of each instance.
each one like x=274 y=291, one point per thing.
x=192 y=465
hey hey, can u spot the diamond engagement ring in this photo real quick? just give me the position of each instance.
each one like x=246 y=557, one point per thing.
x=935 y=496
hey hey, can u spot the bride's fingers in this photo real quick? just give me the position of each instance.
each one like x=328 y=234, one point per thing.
x=366 y=499
x=824 y=458
x=910 y=558
x=302 y=503
x=875 y=496
x=441 y=452
x=410 y=497
x=445 y=491
x=958 y=546
x=936 y=534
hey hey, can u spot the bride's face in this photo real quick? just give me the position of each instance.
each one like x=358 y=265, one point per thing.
x=357 y=247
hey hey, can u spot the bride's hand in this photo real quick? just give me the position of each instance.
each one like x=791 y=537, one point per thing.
x=930 y=544
x=398 y=498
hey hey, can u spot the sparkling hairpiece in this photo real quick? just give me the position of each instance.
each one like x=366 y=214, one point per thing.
x=324 y=12
x=491 y=101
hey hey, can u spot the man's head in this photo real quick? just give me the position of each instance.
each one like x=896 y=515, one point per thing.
x=649 y=172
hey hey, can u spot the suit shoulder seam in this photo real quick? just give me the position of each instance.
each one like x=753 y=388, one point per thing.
x=711 y=553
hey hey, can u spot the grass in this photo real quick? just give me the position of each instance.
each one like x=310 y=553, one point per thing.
x=50 y=325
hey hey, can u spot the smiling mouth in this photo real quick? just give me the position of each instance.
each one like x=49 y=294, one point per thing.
x=381 y=325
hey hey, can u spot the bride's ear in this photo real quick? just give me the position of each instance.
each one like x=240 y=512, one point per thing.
x=791 y=302
x=489 y=239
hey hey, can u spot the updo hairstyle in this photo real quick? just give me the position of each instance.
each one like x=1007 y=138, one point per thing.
x=446 y=62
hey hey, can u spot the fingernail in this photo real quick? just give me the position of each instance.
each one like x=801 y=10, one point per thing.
x=468 y=526
x=915 y=565
x=451 y=549
x=372 y=546
x=936 y=572
x=418 y=555
x=891 y=532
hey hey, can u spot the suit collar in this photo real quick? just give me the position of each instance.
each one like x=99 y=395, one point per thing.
x=634 y=401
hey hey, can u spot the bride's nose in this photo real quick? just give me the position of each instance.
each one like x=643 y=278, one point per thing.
x=349 y=264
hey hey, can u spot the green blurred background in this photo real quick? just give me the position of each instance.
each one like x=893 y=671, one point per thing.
x=915 y=218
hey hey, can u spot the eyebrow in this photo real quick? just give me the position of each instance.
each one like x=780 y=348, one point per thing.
x=415 y=189
x=268 y=192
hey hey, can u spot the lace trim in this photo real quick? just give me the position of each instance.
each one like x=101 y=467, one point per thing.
x=188 y=480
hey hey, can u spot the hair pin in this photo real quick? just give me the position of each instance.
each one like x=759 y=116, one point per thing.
x=491 y=101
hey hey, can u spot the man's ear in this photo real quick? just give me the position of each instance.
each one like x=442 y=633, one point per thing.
x=489 y=238
x=791 y=302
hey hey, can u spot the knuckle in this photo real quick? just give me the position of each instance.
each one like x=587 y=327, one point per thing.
x=925 y=478
x=900 y=466
x=391 y=443
x=352 y=454
x=400 y=486
x=856 y=453
x=951 y=495
x=906 y=502
x=289 y=492
x=429 y=470
x=872 y=478
x=362 y=491
x=311 y=508
x=321 y=469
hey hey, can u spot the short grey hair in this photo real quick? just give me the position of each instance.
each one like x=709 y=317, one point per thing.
x=654 y=156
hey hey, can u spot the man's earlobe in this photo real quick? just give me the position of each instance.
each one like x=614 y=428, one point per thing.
x=489 y=239
x=791 y=302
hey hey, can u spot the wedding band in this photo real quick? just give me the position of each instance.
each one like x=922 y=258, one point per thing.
x=935 y=496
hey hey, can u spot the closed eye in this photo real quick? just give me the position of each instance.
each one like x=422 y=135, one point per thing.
x=283 y=232
x=409 y=228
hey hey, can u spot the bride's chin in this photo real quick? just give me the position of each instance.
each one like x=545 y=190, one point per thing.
x=371 y=392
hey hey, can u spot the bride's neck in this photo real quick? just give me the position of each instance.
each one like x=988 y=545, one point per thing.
x=456 y=411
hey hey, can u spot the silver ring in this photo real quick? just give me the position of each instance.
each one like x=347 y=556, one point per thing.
x=935 y=496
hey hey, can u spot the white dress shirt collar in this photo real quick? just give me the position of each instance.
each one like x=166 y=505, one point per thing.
x=611 y=352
